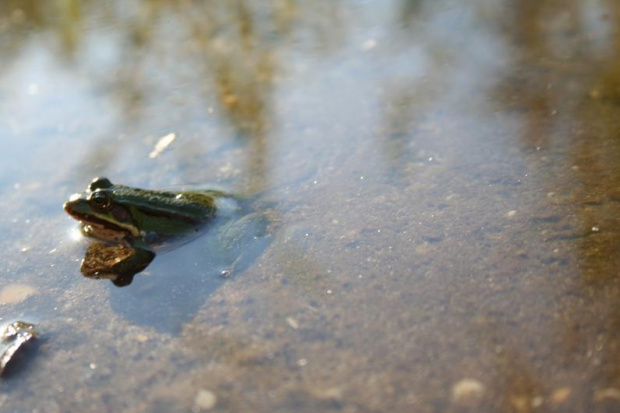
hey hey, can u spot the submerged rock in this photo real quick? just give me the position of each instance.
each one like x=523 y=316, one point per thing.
x=467 y=391
x=16 y=293
x=12 y=338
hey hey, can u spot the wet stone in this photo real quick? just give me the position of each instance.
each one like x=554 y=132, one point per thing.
x=521 y=404
x=467 y=391
x=12 y=339
x=16 y=293
x=560 y=395
x=205 y=400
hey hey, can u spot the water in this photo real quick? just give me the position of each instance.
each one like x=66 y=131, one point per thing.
x=443 y=179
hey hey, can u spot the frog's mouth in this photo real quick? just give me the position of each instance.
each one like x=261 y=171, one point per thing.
x=94 y=222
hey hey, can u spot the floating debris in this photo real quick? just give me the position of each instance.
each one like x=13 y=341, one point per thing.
x=292 y=323
x=13 y=337
x=162 y=144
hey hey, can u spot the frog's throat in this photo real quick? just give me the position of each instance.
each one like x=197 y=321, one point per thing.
x=102 y=223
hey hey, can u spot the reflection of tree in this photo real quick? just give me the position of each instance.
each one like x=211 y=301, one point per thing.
x=527 y=37
x=228 y=54
x=594 y=153
x=565 y=96
x=405 y=134
x=405 y=138
x=26 y=17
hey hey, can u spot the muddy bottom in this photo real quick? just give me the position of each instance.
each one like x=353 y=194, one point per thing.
x=441 y=179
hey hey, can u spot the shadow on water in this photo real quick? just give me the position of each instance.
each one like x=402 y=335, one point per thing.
x=170 y=293
x=178 y=283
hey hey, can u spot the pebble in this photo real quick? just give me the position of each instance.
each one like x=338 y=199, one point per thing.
x=467 y=390
x=205 y=400
x=520 y=403
x=329 y=393
x=560 y=395
x=292 y=323
x=606 y=394
x=537 y=401
x=142 y=338
x=16 y=293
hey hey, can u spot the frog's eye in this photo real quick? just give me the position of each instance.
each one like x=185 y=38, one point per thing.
x=100 y=201
x=99 y=183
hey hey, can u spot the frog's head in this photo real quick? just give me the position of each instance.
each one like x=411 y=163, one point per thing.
x=99 y=212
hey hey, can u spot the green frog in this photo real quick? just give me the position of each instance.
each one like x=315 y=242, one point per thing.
x=133 y=224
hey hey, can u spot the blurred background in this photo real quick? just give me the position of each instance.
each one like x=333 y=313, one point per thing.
x=442 y=177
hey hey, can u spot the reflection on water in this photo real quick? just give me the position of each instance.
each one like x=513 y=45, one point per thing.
x=445 y=176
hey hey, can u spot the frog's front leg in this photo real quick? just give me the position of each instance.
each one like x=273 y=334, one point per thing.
x=118 y=263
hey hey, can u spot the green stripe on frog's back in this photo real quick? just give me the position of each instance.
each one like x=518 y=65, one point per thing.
x=167 y=213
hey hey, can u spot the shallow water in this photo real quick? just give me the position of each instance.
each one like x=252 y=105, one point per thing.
x=442 y=177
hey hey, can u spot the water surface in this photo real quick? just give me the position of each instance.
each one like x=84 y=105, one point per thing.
x=442 y=176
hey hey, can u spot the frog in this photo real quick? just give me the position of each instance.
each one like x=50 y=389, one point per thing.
x=130 y=225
